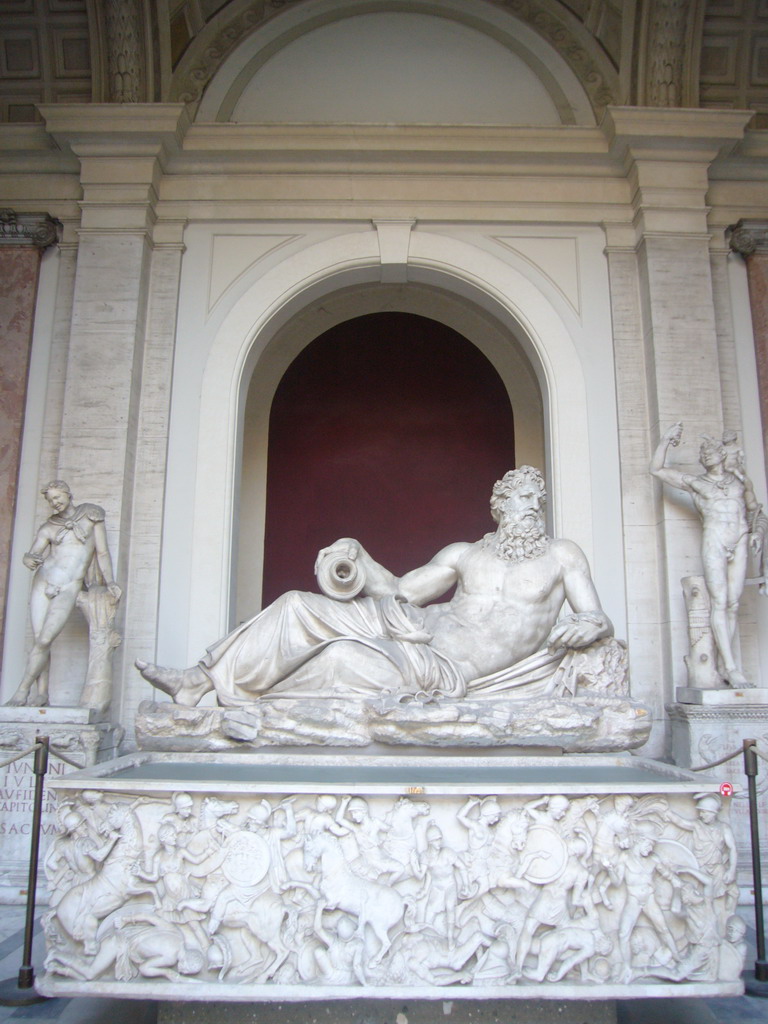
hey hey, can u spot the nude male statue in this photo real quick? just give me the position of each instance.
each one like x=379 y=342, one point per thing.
x=62 y=553
x=510 y=588
x=728 y=509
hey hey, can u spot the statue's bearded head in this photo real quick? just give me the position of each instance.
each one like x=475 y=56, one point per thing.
x=517 y=505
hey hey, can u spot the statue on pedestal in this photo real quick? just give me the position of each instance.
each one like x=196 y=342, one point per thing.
x=72 y=565
x=732 y=522
x=499 y=633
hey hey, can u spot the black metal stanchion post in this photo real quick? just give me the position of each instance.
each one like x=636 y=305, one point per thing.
x=21 y=991
x=756 y=983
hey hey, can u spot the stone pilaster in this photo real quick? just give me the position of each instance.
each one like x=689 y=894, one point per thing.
x=749 y=238
x=122 y=152
x=669 y=43
x=23 y=237
x=126 y=64
x=667 y=360
x=142 y=579
x=648 y=640
x=666 y=52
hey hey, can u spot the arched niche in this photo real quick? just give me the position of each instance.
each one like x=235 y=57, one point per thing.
x=495 y=346
x=398 y=61
x=273 y=314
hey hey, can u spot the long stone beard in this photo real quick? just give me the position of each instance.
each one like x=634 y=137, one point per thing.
x=519 y=539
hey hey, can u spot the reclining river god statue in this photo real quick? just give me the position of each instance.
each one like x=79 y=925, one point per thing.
x=499 y=636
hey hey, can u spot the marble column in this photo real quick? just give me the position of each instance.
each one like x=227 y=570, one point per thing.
x=23 y=237
x=749 y=238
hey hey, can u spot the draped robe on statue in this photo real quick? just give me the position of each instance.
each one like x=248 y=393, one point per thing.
x=311 y=645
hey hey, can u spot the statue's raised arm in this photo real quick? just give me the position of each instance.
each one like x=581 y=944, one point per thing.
x=670 y=439
x=345 y=569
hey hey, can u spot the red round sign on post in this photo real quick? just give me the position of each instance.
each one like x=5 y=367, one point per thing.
x=726 y=789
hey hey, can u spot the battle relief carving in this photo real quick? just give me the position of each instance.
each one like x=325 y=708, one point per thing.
x=382 y=891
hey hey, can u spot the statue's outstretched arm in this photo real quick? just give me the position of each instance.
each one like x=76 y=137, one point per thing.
x=420 y=586
x=379 y=582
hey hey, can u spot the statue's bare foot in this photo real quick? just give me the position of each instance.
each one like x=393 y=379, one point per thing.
x=736 y=679
x=37 y=700
x=20 y=699
x=184 y=686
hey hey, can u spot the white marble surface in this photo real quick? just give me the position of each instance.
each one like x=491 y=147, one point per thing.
x=79 y=739
x=703 y=733
x=278 y=878
x=49 y=715
x=722 y=697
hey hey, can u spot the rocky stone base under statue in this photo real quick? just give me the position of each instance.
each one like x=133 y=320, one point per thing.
x=289 y=878
x=589 y=723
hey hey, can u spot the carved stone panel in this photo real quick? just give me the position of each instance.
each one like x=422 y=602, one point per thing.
x=284 y=878
x=71 y=732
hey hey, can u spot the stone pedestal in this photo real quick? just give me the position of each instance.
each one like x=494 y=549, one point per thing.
x=384 y=1011
x=74 y=732
x=286 y=878
x=710 y=724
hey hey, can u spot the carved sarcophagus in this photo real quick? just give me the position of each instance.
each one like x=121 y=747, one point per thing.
x=293 y=877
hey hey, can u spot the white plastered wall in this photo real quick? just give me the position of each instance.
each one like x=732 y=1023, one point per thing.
x=240 y=288
x=752 y=440
x=436 y=62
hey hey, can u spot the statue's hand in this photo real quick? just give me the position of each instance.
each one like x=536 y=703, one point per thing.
x=115 y=591
x=32 y=561
x=578 y=630
x=673 y=435
x=346 y=547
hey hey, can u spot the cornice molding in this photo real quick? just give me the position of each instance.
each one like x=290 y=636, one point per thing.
x=720 y=713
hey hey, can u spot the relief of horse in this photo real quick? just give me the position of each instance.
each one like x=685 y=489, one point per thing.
x=372 y=903
x=80 y=910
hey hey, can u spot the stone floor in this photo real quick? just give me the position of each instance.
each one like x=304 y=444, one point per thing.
x=737 y=1010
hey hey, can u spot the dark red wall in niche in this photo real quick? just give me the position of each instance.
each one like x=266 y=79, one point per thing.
x=390 y=428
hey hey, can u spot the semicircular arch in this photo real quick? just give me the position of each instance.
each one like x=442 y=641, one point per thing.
x=245 y=341
x=559 y=51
